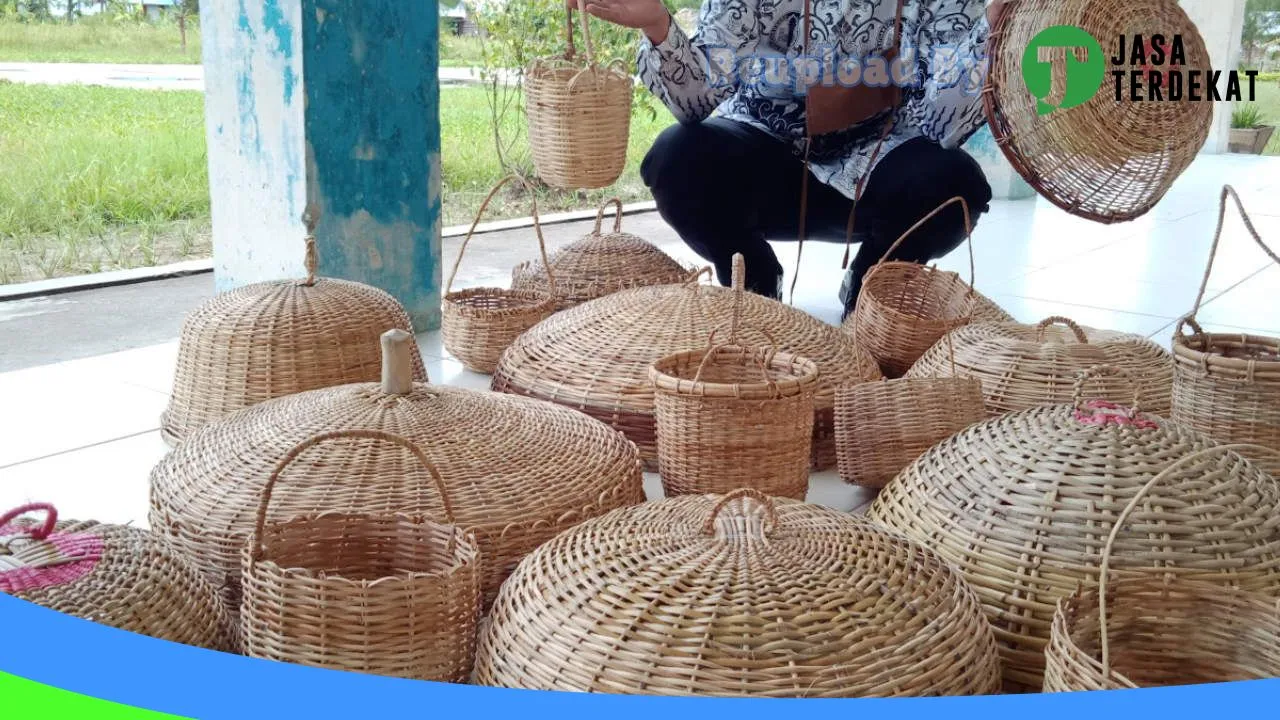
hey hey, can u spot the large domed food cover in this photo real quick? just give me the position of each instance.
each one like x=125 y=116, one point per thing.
x=738 y=594
x=1023 y=505
x=595 y=357
x=517 y=471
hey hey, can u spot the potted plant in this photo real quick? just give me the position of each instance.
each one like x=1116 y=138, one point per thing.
x=1248 y=133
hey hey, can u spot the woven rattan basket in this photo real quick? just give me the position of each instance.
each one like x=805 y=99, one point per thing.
x=904 y=307
x=579 y=115
x=477 y=324
x=1025 y=366
x=119 y=576
x=737 y=595
x=386 y=594
x=1228 y=385
x=730 y=417
x=517 y=471
x=599 y=264
x=1105 y=160
x=277 y=338
x=1149 y=628
x=596 y=357
x=1023 y=504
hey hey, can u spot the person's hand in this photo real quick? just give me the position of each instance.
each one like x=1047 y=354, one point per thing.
x=648 y=16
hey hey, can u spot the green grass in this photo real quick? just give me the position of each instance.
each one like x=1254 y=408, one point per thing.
x=1268 y=103
x=460 y=50
x=97 y=40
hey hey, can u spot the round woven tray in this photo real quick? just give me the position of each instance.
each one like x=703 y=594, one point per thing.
x=600 y=264
x=1023 y=505
x=737 y=595
x=596 y=357
x=119 y=576
x=1025 y=366
x=1104 y=160
x=517 y=471
x=278 y=338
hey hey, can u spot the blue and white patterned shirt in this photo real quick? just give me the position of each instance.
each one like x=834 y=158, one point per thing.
x=741 y=64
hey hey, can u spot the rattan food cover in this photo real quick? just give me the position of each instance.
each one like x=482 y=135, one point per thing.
x=737 y=594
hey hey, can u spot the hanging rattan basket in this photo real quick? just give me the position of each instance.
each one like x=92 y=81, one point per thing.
x=1149 y=628
x=737 y=595
x=477 y=324
x=517 y=471
x=579 y=115
x=278 y=338
x=385 y=593
x=595 y=357
x=111 y=574
x=1105 y=159
x=904 y=307
x=1228 y=385
x=600 y=264
x=1023 y=504
x=1025 y=366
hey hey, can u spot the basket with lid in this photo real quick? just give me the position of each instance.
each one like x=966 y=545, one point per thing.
x=277 y=338
x=738 y=594
x=1023 y=504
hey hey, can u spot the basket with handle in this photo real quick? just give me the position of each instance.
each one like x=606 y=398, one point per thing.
x=1227 y=385
x=579 y=115
x=1151 y=628
x=479 y=323
x=904 y=307
x=730 y=415
x=386 y=594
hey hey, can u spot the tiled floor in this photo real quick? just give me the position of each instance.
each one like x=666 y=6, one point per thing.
x=83 y=433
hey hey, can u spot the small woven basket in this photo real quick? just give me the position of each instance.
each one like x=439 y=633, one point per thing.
x=1104 y=160
x=579 y=116
x=111 y=574
x=1228 y=385
x=384 y=594
x=730 y=416
x=904 y=307
x=1150 y=629
x=599 y=264
x=477 y=324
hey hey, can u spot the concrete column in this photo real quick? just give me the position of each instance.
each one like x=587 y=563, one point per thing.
x=1221 y=23
x=333 y=104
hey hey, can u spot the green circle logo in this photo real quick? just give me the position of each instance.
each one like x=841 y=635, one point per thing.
x=1083 y=78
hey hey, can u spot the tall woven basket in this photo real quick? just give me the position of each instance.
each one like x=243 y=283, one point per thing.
x=119 y=576
x=1149 y=628
x=579 y=115
x=738 y=594
x=387 y=594
x=1105 y=160
x=272 y=339
x=1228 y=385
x=904 y=307
x=477 y=324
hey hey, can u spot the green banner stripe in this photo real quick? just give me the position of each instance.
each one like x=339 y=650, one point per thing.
x=44 y=701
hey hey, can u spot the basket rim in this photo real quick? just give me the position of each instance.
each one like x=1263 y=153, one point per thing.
x=934 y=275
x=530 y=301
x=1186 y=354
x=799 y=374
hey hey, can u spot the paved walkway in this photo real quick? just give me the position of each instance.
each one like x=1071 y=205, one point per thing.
x=151 y=77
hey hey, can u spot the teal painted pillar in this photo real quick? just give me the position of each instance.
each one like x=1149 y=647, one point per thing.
x=335 y=105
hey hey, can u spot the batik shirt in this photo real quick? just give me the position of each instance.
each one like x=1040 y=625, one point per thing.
x=747 y=62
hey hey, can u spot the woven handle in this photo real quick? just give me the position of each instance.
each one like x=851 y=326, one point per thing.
x=763 y=360
x=771 y=512
x=311 y=257
x=397 y=362
x=1104 y=569
x=617 y=217
x=697 y=275
x=537 y=229
x=1076 y=330
x=40 y=533
x=586 y=34
x=968 y=236
x=1077 y=391
x=287 y=460
x=1227 y=191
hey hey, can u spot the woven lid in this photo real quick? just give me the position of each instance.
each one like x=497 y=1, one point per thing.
x=516 y=471
x=1094 y=156
x=119 y=576
x=1024 y=366
x=596 y=356
x=737 y=595
x=277 y=338
x=1023 y=504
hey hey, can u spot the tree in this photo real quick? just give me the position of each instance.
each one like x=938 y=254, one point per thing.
x=1261 y=29
x=182 y=11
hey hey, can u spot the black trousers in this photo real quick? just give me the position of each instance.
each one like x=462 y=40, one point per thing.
x=727 y=187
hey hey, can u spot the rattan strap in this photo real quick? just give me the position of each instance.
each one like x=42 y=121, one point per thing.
x=770 y=510
x=537 y=229
x=617 y=217
x=1077 y=390
x=1076 y=330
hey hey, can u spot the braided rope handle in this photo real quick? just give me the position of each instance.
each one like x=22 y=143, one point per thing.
x=1077 y=390
x=1076 y=330
x=41 y=532
x=617 y=218
x=537 y=229
x=770 y=510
